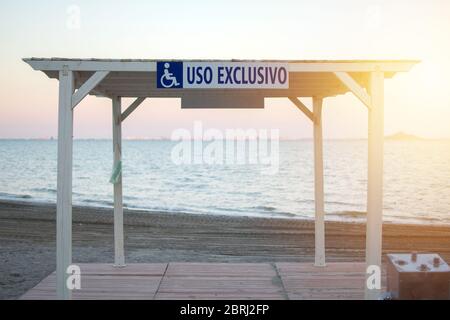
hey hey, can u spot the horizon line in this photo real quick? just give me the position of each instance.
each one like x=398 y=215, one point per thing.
x=193 y=139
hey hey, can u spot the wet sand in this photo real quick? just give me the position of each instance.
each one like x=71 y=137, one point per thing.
x=27 y=240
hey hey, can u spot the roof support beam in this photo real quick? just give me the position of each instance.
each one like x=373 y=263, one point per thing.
x=374 y=224
x=64 y=184
x=119 y=256
x=302 y=108
x=319 y=224
x=87 y=87
x=354 y=87
x=136 y=103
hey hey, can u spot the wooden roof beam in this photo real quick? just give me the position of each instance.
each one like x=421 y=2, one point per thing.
x=87 y=87
x=302 y=108
x=354 y=87
x=136 y=103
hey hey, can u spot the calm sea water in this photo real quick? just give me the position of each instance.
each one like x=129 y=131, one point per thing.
x=417 y=179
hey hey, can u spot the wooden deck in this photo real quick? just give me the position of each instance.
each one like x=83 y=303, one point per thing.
x=213 y=281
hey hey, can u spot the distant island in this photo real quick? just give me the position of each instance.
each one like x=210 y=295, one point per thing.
x=402 y=136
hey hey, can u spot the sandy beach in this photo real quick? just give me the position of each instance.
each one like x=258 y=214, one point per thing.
x=27 y=240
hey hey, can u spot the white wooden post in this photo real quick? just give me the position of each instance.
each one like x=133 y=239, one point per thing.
x=375 y=179
x=64 y=183
x=119 y=258
x=318 y=184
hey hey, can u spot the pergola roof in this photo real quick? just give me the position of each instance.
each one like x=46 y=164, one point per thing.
x=137 y=77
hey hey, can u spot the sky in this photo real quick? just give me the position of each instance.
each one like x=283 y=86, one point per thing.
x=417 y=102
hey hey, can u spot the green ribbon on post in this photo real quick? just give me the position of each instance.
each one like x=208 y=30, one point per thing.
x=117 y=170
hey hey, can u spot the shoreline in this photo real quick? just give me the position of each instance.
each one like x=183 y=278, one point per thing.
x=348 y=216
x=27 y=240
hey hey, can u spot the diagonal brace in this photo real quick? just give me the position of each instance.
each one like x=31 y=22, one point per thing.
x=136 y=103
x=302 y=107
x=86 y=88
x=354 y=87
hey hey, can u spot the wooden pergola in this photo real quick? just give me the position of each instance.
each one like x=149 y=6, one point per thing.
x=116 y=79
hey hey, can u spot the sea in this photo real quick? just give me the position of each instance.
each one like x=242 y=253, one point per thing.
x=416 y=179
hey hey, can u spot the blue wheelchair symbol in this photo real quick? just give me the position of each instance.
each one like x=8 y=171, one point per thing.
x=169 y=75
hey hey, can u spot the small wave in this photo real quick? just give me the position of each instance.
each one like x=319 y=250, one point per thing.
x=353 y=214
x=285 y=214
x=49 y=190
x=253 y=193
x=264 y=208
x=341 y=203
x=98 y=202
x=425 y=219
x=306 y=201
x=215 y=208
x=14 y=196
x=131 y=198
x=271 y=211
x=199 y=186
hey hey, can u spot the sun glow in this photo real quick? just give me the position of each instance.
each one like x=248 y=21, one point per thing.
x=416 y=102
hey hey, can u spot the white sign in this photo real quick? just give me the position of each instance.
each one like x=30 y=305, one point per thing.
x=221 y=75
